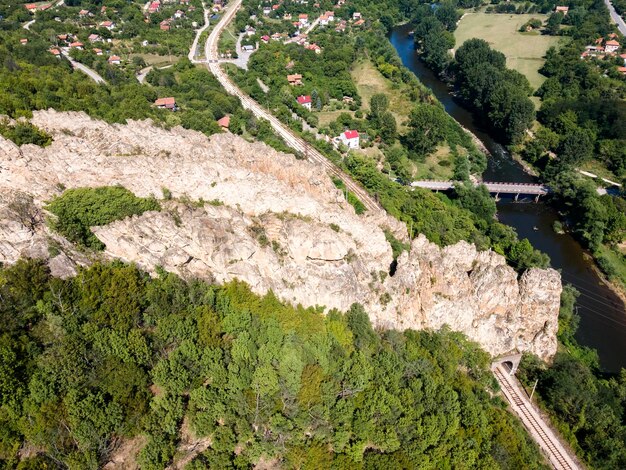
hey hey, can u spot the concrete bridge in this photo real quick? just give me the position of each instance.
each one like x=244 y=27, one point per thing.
x=498 y=188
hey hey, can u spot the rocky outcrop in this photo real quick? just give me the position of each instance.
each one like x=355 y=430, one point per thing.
x=273 y=221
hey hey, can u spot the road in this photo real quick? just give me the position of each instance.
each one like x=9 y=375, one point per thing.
x=559 y=456
x=194 y=45
x=293 y=140
x=621 y=25
x=28 y=24
x=83 y=68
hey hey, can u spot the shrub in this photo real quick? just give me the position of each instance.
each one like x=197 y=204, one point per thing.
x=78 y=209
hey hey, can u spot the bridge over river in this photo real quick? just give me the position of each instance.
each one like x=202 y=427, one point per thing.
x=515 y=189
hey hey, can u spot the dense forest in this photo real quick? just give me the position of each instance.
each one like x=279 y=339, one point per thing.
x=112 y=355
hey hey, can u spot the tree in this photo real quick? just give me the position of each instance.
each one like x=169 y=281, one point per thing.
x=379 y=103
x=427 y=124
x=388 y=127
x=448 y=15
x=553 y=25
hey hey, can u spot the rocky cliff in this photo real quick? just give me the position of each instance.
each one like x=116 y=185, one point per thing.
x=273 y=221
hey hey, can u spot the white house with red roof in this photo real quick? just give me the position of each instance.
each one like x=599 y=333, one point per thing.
x=77 y=45
x=350 y=139
x=115 y=60
x=166 y=103
x=304 y=100
x=561 y=9
x=265 y=39
x=303 y=19
x=611 y=46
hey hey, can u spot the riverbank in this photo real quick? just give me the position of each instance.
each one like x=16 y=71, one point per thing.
x=601 y=305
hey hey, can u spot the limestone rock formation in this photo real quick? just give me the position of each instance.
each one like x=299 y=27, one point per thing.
x=272 y=221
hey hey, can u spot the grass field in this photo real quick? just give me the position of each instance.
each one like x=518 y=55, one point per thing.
x=370 y=81
x=524 y=51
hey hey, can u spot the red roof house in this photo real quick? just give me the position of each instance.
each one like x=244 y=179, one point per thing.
x=166 y=103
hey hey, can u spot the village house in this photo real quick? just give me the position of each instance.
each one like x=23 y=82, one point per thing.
x=287 y=16
x=611 y=46
x=115 y=60
x=563 y=10
x=359 y=22
x=179 y=14
x=356 y=16
x=250 y=30
x=275 y=7
x=267 y=10
x=56 y=53
x=315 y=48
x=295 y=79
x=248 y=48
x=84 y=13
x=622 y=70
x=94 y=38
x=304 y=100
x=184 y=2
x=303 y=19
x=165 y=25
x=23 y=41
x=350 y=139
x=31 y=7
x=277 y=36
x=623 y=57
x=166 y=103
x=224 y=122
x=77 y=45
x=265 y=39
x=108 y=25
x=97 y=51
x=327 y=18
x=154 y=6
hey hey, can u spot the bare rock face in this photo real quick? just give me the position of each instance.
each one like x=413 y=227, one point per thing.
x=272 y=221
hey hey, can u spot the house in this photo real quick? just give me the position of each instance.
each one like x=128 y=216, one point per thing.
x=622 y=70
x=154 y=7
x=115 y=60
x=184 y=2
x=304 y=101
x=45 y=7
x=563 y=10
x=265 y=39
x=314 y=47
x=247 y=48
x=611 y=46
x=326 y=18
x=166 y=103
x=350 y=139
x=63 y=37
x=356 y=16
x=287 y=16
x=275 y=7
x=303 y=19
x=23 y=41
x=277 y=36
x=359 y=22
x=623 y=57
x=295 y=79
x=165 y=25
x=97 y=51
x=267 y=10
x=77 y=45
x=56 y=53
x=179 y=14
x=250 y=30
x=94 y=38
x=108 y=25
x=31 y=7
x=84 y=13
x=224 y=122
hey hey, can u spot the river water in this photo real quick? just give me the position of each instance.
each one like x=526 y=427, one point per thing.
x=602 y=313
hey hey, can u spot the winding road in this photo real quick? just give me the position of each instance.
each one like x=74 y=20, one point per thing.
x=618 y=20
x=293 y=140
x=194 y=47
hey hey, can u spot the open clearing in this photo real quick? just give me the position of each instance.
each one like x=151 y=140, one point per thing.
x=370 y=81
x=524 y=51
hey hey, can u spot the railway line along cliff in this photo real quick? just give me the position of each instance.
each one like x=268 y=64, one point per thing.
x=231 y=209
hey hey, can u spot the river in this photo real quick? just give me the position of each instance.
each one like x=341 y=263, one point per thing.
x=602 y=312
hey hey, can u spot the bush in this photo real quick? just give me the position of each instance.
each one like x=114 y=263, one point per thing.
x=78 y=209
x=22 y=133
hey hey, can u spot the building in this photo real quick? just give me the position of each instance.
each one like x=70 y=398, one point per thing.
x=314 y=47
x=31 y=7
x=94 y=38
x=83 y=13
x=295 y=79
x=224 y=122
x=303 y=19
x=23 y=41
x=154 y=7
x=164 y=25
x=622 y=70
x=611 y=46
x=265 y=39
x=166 y=103
x=115 y=60
x=356 y=16
x=350 y=139
x=267 y=10
x=250 y=30
x=247 y=48
x=304 y=100
x=563 y=10
x=56 y=53
x=77 y=45
x=108 y=25
x=97 y=51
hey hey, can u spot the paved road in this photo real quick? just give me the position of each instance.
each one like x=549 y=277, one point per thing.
x=621 y=25
x=559 y=456
x=288 y=136
x=28 y=25
x=83 y=68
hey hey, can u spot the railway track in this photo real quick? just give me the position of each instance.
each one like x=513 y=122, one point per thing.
x=294 y=141
x=538 y=429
